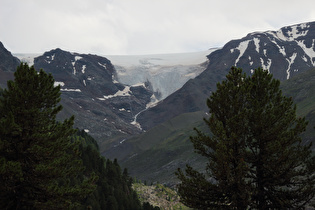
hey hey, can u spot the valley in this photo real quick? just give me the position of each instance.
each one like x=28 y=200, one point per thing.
x=142 y=109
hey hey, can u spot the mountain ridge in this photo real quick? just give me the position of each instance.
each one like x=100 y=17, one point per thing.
x=288 y=55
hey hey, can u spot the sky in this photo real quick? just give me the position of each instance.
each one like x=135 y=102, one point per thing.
x=135 y=27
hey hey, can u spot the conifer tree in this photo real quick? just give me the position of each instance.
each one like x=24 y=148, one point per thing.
x=38 y=159
x=255 y=154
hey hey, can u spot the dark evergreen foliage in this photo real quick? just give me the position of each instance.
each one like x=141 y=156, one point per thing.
x=256 y=158
x=114 y=190
x=38 y=160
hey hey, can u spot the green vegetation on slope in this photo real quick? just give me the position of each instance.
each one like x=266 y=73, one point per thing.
x=302 y=89
x=158 y=195
x=160 y=151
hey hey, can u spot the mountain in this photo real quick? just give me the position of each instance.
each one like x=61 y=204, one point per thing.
x=107 y=95
x=8 y=64
x=156 y=154
x=285 y=53
x=102 y=106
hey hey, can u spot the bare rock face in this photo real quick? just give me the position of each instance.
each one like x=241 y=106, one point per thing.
x=8 y=64
x=102 y=106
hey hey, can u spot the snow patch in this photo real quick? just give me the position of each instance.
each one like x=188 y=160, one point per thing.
x=83 y=69
x=265 y=52
x=59 y=83
x=308 y=51
x=256 y=42
x=304 y=58
x=290 y=61
x=138 y=84
x=76 y=58
x=86 y=130
x=153 y=102
x=122 y=93
x=242 y=48
x=71 y=90
x=103 y=65
x=281 y=48
x=74 y=70
x=267 y=66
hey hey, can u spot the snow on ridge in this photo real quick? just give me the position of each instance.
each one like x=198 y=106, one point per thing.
x=295 y=33
x=291 y=32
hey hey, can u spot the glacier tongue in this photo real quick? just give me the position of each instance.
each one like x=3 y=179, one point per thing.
x=166 y=73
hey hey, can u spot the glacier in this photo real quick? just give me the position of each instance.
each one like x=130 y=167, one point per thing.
x=165 y=73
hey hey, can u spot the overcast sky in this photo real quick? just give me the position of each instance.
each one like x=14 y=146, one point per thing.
x=108 y=27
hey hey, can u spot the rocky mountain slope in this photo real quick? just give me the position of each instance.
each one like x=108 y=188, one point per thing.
x=107 y=98
x=155 y=155
x=102 y=106
x=285 y=53
x=8 y=64
x=290 y=55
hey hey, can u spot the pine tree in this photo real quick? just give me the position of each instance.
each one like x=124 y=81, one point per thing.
x=281 y=167
x=255 y=154
x=38 y=158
